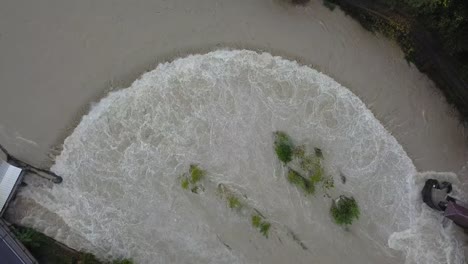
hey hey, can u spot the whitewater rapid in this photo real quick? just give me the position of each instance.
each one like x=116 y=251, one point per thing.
x=121 y=193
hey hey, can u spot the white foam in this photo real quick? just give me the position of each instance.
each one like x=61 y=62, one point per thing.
x=120 y=168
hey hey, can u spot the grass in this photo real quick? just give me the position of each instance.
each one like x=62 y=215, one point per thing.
x=345 y=210
x=256 y=221
x=196 y=174
x=262 y=225
x=265 y=228
x=185 y=184
x=234 y=203
x=318 y=172
x=301 y=182
x=283 y=147
x=47 y=250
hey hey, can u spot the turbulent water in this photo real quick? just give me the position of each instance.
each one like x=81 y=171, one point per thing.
x=122 y=196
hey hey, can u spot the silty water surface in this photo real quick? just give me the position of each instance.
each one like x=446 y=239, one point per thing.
x=121 y=168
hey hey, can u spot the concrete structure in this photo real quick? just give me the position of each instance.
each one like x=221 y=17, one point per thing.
x=10 y=178
x=11 y=250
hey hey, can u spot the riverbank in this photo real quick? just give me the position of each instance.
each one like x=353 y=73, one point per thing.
x=90 y=48
x=60 y=57
x=47 y=250
x=431 y=34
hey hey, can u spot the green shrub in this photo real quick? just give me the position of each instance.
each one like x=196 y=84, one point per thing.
x=345 y=210
x=283 y=147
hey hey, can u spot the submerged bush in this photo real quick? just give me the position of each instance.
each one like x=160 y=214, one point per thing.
x=185 y=184
x=283 y=147
x=345 y=210
x=265 y=228
x=196 y=174
x=317 y=175
x=301 y=182
x=191 y=181
x=256 y=220
x=262 y=225
x=234 y=203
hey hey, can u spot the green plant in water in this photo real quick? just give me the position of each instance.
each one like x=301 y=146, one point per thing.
x=265 y=228
x=196 y=174
x=191 y=181
x=185 y=183
x=262 y=225
x=317 y=175
x=234 y=203
x=345 y=210
x=256 y=220
x=283 y=147
x=295 y=178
